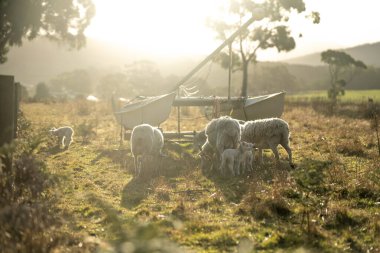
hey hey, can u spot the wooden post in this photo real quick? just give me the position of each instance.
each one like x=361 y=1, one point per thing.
x=7 y=114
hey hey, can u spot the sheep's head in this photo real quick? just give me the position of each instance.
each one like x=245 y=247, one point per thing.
x=246 y=146
x=53 y=131
x=198 y=141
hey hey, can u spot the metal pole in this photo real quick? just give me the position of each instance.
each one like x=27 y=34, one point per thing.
x=229 y=71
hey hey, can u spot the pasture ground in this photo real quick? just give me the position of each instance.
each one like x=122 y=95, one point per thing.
x=329 y=203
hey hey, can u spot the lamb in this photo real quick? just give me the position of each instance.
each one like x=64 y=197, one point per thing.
x=268 y=133
x=247 y=161
x=232 y=158
x=64 y=134
x=145 y=141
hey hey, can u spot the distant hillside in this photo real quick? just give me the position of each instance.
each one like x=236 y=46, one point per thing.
x=40 y=60
x=368 y=53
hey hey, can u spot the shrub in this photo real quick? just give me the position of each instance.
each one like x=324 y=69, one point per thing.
x=85 y=130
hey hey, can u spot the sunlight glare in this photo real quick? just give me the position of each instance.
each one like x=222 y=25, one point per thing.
x=165 y=27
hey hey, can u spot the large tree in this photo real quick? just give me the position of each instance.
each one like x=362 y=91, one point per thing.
x=342 y=69
x=58 y=20
x=270 y=29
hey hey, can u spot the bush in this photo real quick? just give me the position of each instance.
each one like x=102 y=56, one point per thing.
x=86 y=131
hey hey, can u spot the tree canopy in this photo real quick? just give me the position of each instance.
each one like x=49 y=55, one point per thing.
x=270 y=29
x=59 y=20
x=342 y=68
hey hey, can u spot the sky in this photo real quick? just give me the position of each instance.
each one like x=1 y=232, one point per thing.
x=176 y=28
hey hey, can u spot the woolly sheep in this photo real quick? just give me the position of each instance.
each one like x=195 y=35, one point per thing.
x=223 y=133
x=228 y=134
x=198 y=140
x=232 y=158
x=64 y=134
x=145 y=141
x=268 y=133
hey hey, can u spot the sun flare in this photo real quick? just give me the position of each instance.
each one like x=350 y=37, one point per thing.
x=165 y=27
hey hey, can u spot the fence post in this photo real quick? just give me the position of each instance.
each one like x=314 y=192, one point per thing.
x=8 y=118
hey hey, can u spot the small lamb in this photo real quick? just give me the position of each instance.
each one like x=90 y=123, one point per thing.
x=65 y=135
x=232 y=158
x=247 y=161
x=268 y=133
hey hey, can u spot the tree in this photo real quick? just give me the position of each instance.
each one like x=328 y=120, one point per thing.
x=42 y=92
x=58 y=20
x=269 y=30
x=144 y=77
x=74 y=83
x=342 y=69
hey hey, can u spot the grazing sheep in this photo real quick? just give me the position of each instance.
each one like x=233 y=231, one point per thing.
x=232 y=158
x=220 y=133
x=198 y=140
x=206 y=154
x=145 y=141
x=268 y=133
x=64 y=134
x=228 y=134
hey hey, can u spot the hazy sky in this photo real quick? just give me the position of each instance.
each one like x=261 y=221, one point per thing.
x=175 y=28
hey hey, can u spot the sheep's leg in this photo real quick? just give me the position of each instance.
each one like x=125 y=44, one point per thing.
x=260 y=155
x=231 y=166
x=242 y=165
x=289 y=151
x=135 y=160
x=60 y=141
x=222 y=165
x=273 y=147
x=66 y=142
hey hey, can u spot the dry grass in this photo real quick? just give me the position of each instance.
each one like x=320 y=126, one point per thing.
x=328 y=203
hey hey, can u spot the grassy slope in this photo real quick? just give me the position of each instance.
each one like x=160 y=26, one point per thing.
x=330 y=201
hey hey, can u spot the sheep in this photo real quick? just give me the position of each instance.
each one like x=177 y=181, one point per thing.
x=198 y=140
x=232 y=158
x=221 y=133
x=206 y=154
x=247 y=161
x=268 y=133
x=145 y=141
x=64 y=134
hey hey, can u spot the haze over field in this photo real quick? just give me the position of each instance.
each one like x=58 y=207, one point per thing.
x=173 y=35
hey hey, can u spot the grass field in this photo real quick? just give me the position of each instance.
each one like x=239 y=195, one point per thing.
x=329 y=203
x=350 y=95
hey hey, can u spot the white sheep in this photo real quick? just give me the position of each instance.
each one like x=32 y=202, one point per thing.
x=247 y=161
x=65 y=135
x=232 y=158
x=227 y=134
x=268 y=133
x=207 y=155
x=221 y=133
x=145 y=141
x=198 y=140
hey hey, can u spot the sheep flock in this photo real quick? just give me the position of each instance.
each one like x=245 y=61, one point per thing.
x=226 y=145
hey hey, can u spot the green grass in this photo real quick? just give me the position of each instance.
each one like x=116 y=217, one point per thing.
x=328 y=203
x=350 y=95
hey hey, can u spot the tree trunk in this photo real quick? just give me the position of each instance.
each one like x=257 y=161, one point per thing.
x=244 y=87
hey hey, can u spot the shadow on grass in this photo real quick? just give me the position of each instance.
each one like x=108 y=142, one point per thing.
x=234 y=188
x=135 y=192
x=115 y=155
x=173 y=164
